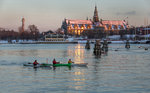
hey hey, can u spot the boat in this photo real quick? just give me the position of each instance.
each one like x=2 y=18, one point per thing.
x=72 y=64
x=38 y=65
x=55 y=65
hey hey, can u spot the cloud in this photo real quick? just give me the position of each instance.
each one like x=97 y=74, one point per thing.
x=127 y=13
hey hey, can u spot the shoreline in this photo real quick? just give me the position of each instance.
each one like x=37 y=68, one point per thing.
x=74 y=42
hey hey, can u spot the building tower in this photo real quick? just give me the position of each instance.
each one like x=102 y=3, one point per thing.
x=95 y=17
x=23 y=21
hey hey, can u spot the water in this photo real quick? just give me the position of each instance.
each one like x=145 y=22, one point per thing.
x=122 y=71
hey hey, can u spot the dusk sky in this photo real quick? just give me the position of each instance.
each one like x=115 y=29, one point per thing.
x=49 y=14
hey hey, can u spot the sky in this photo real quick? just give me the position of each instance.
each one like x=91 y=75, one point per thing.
x=49 y=14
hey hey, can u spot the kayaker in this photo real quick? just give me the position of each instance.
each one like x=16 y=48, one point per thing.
x=69 y=62
x=54 y=61
x=35 y=63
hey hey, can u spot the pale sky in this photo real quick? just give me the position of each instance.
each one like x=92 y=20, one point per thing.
x=49 y=14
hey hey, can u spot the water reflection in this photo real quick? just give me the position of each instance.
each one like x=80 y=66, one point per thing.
x=120 y=71
x=79 y=79
x=78 y=73
x=78 y=53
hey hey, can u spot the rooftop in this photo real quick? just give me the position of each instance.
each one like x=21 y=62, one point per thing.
x=79 y=21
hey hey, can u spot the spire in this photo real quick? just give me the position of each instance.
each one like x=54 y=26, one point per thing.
x=23 y=22
x=95 y=17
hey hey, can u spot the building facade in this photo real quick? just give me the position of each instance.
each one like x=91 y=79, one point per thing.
x=77 y=27
x=54 y=37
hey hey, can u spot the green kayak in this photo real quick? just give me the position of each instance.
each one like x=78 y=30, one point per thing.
x=62 y=65
x=56 y=65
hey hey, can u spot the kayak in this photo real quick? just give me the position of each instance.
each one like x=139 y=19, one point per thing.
x=38 y=65
x=55 y=65
x=45 y=65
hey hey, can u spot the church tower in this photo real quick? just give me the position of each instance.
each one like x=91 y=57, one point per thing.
x=23 y=22
x=95 y=17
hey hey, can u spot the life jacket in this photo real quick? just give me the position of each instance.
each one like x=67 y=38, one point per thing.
x=35 y=63
x=54 y=62
x=69 y=61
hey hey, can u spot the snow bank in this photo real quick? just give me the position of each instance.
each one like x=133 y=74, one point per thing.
x=114 y=37
x=117 y=42
x=3 y=42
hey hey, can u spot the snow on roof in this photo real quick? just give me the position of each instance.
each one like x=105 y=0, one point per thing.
x=79 y=21
x=113 y=22
x=110 y=22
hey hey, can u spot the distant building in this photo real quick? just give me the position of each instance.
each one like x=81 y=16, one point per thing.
x=54 y=37
x=77 y=27
x=145 y=30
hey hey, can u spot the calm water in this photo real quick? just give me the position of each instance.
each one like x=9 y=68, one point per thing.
x=122 y=71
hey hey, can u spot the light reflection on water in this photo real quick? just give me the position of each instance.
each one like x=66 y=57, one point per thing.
x=122 y=71
x=77 y=53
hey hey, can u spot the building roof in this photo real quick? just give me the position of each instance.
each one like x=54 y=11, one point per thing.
x=114 y=22
x=107 y=24
x=78 y=21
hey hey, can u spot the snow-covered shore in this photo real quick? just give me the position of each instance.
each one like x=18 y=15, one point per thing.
x=71 y=42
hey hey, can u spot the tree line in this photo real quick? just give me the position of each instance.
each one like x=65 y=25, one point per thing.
x=32 y=33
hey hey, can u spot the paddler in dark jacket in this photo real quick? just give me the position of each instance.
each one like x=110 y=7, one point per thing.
x=35 y=63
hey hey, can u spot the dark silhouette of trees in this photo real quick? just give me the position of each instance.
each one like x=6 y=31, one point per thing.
x=8 y=34
x=34 y=32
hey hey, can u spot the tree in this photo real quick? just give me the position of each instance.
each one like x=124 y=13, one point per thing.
x=34 y=32
x=33 y=28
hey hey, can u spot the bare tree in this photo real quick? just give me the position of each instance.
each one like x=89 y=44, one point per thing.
x=33 y=28
x=34 y=32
